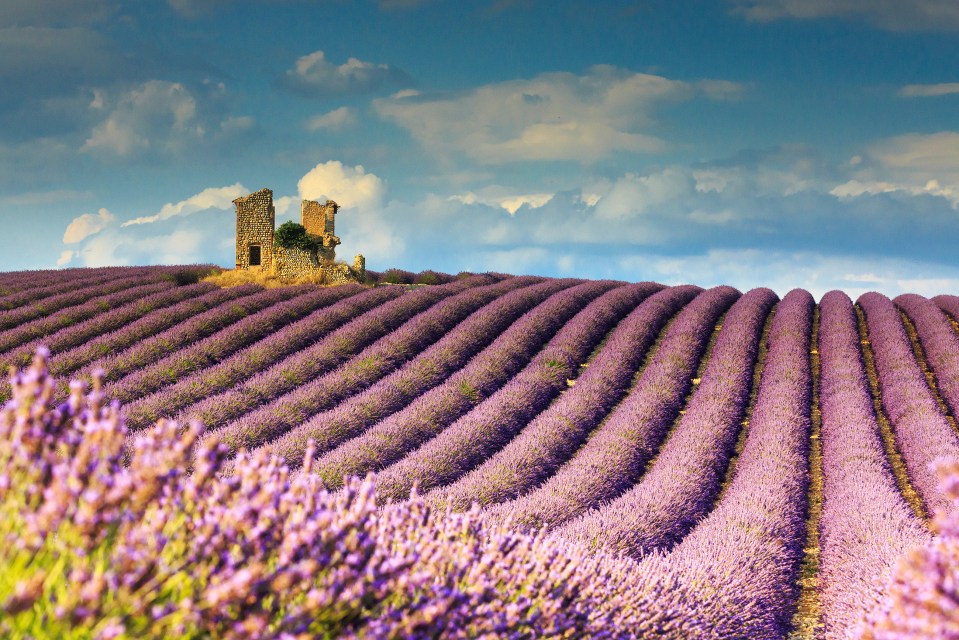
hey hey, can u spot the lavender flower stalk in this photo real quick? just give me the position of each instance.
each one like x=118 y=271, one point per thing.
x=97 y=550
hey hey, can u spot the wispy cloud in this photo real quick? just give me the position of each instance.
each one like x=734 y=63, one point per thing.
x=553 y=116
x=334 y=120
x=211 y=198
x=929 y=90
x=917 y=164
x=893 y=15
x=314 y=76
x=53 y=13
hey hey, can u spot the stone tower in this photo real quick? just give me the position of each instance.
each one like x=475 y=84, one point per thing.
x=255 y=223
x=319 y=220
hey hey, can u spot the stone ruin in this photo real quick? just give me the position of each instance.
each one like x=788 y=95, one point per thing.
x=256 y=247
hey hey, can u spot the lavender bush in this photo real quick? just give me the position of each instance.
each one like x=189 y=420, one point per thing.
x=149 y=350
x=922 y=432
x=149 y=325
x=228 y=374
x=681 y=486
x=13 y=319
x=255 y=356
x=552 y=437
x=615 y=456
x=922 y=598
x=359 y=353
x=485 y=373
x=493 y=422
x=107 y=320
x=212 y=349
x=24 y=291
x=866 y=524
x=734 y=575
x=940 y=344
x=94 y=549
x=104 y=301
x=427 y=370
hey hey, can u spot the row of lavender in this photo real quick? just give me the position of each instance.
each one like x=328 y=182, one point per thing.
x=373 y=378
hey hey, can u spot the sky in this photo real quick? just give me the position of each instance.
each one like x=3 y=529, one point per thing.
x=779 y=143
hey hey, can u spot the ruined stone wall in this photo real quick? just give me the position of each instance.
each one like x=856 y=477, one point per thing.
x=319 y=220
x=313 y=217
x=292 y=263
x=255 y=223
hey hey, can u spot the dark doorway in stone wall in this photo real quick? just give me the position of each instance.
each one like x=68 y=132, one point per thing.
x=255 y=255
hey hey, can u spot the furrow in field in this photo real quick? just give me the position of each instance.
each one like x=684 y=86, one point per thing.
x=494 y=421
x=807 y=621
x=921 y=429
x=866 y=522
x=616 y=454
x=894 y=456
x=734 y=575
x=342 y=424
x=345 y=363
x=108 y=320
x=149 y=350
x=223 y=343
x=149 y=325
x=38 y=314
x=936 y=347
x=552 y=437
x=683 y=480
x=263 y=353
x=511 y=296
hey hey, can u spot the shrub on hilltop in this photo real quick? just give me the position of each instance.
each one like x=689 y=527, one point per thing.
x=95 y=549
x=292 y=235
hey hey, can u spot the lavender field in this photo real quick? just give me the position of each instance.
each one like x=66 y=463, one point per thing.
x=489 y=456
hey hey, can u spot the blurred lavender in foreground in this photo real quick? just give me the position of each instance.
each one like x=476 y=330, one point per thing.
x=94 y=549
x=922 y=600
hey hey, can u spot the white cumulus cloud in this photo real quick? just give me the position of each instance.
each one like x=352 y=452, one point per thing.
x=210 y=198
x=87 y=224
x=348 y=186
x=553 y=116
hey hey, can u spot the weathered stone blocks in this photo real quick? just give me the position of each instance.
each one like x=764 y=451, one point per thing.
x=255 y=226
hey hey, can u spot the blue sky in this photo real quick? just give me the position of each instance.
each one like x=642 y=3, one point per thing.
x=781 y=143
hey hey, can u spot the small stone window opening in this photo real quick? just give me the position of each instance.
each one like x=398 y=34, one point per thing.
x=255 y=255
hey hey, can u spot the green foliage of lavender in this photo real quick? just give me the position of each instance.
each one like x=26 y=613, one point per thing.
x=95 y=549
